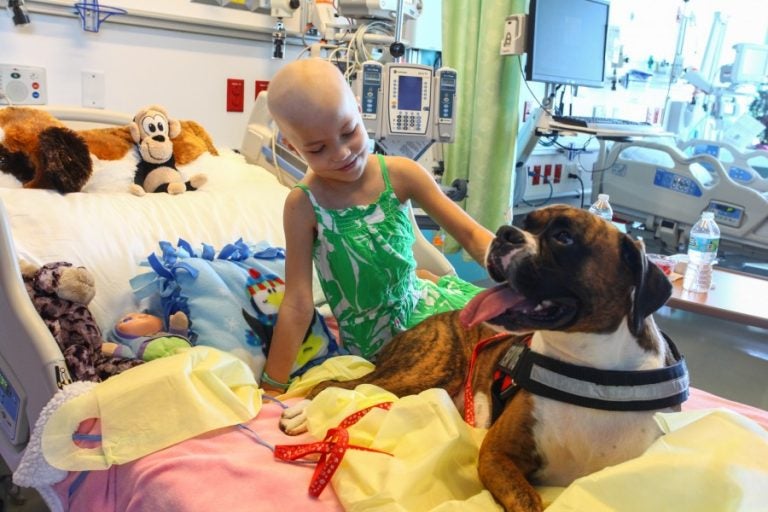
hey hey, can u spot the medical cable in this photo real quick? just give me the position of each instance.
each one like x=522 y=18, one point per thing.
x=275 y=162
x=552 y=139
x=546 y=180
x=260 y=441
x=5 y=97
x=575 y=176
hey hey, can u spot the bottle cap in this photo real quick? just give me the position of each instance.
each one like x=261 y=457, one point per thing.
x=604 y=197
x=708 y=215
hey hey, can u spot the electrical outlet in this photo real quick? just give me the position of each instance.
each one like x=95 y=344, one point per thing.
x=261 y=85
x=235 y=94
x=94 y=91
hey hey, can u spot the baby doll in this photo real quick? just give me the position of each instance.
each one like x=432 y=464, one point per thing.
x=142 y=336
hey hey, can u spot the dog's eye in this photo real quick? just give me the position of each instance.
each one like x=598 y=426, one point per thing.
x=564 y=237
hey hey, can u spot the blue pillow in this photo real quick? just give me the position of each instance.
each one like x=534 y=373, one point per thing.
x=232 y=298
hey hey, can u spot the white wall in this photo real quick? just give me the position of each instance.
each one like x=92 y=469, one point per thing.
x=185 y=72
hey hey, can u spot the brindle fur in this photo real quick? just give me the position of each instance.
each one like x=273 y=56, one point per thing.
x=604 y=270
x=444 y=348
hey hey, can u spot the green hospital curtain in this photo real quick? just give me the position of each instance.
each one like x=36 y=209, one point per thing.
x=487 y=112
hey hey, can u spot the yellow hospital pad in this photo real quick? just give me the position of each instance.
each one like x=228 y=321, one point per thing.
x=153 y=406
x=707 y=460
x=433 y=466
x=333 y=368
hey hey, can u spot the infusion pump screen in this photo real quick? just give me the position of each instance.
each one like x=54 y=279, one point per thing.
x=409 y=94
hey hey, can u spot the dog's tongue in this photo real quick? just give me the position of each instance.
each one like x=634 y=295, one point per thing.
x=489 y=304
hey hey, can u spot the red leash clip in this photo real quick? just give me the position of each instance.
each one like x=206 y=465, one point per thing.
x=331 y=450
x=469 y=397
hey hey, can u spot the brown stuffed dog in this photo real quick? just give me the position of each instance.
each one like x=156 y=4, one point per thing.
x=114 y=143
x=39 y=151
x=153 y=132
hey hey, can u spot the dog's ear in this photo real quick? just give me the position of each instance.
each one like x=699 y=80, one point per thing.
x=652 y=288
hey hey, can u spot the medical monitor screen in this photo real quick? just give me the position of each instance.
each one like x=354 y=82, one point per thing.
x=409 y=92
x=567 y=41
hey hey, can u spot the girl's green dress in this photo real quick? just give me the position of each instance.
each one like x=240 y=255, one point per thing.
x=365 y=263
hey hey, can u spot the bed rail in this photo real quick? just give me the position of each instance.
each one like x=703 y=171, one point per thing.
x=39 y=369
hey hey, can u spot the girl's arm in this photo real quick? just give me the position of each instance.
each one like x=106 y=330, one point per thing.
x=411 y=181
x=298 y=306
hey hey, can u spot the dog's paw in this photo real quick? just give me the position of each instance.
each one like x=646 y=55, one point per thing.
x=293 y=421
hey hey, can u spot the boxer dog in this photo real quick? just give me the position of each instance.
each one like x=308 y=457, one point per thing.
x=573 y=386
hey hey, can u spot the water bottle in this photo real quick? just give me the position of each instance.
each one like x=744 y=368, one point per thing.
x=702 y=251
x=602 y=208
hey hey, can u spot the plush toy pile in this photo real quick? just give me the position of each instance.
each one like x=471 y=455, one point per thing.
x=60 y=293
x=39 y=151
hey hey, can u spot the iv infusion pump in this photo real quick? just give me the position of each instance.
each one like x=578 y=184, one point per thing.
x=407 y=101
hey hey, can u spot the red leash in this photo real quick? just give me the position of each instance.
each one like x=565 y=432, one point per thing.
x=331 y=450
x=469 y=397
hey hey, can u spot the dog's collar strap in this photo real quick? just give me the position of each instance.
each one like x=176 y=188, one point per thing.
x=613 y=390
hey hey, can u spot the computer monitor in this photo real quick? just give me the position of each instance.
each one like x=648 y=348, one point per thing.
x=566 y=42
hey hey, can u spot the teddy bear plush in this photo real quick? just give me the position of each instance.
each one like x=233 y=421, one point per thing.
x=142 y=336
x=39 y=151
x=61 y=293
x=153 y=130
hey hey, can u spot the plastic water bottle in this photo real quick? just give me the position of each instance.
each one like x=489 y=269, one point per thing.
x=602 y=208
x=702 y=251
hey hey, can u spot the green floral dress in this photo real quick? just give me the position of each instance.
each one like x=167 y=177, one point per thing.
x=365 y=263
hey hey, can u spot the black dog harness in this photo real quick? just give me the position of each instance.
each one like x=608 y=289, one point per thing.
x=611 y=390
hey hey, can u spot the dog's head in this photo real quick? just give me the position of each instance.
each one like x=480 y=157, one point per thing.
x=568 y=270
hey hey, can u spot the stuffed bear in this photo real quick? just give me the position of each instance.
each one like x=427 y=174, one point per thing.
x=141 y=335
x=152 y=130
x=61 y=293
x=39 y=151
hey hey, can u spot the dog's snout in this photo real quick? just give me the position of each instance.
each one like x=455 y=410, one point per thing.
x=510 y=235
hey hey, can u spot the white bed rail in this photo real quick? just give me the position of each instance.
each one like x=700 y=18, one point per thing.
x=39 y=368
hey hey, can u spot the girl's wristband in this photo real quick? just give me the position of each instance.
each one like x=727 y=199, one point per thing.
x=282 y=386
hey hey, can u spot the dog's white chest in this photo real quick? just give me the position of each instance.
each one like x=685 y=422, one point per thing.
x=574 y=443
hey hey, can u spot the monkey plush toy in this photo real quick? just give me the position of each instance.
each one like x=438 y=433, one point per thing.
x=152 y=130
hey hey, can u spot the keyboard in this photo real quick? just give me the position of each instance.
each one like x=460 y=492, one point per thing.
x=606 y=124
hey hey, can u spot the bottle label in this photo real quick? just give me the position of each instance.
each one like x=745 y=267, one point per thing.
x=703 y=244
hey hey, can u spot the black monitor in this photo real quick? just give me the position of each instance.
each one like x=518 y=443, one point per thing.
x=566 y=41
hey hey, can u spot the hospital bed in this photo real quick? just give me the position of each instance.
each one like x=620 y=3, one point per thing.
x=741 y=165
x=667 y=189
x=111 y=232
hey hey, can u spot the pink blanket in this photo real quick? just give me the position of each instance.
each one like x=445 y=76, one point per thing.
x=225 y=470
x=229 y=470
x=702 y=400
